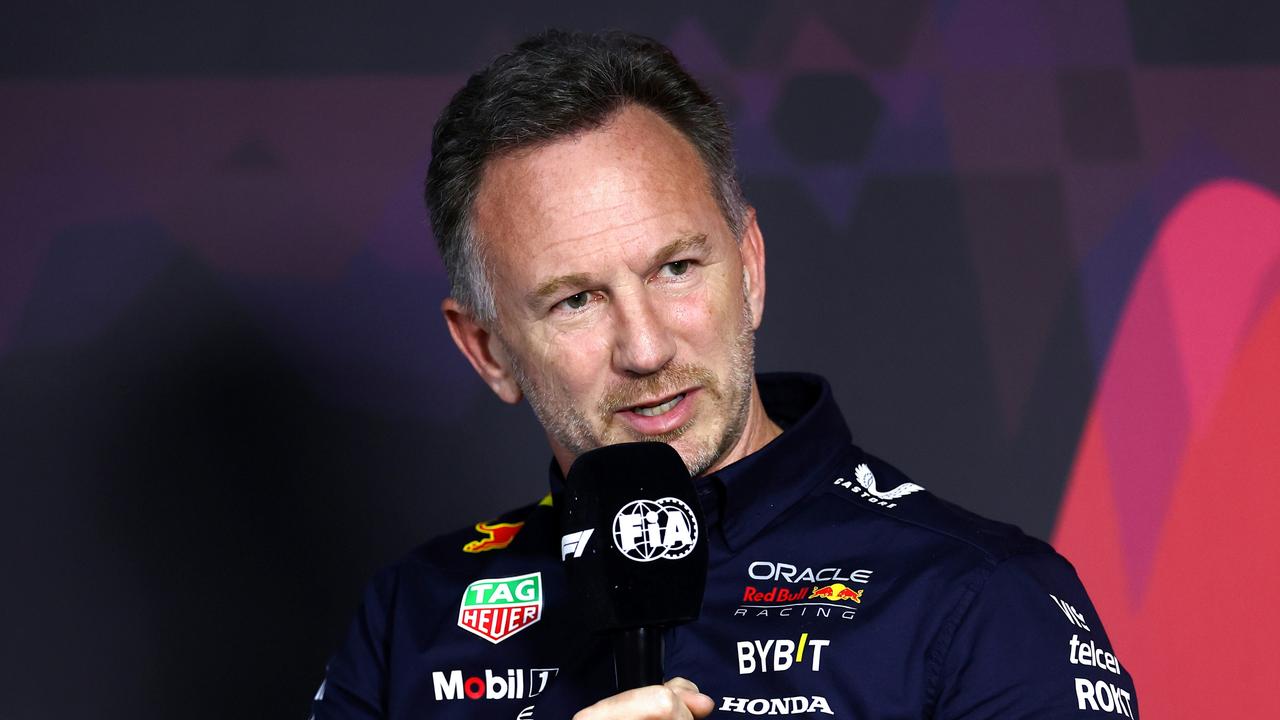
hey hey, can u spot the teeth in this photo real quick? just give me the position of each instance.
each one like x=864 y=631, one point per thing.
x=658 y=409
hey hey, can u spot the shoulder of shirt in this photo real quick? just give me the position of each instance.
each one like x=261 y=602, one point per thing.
x=875 y=487
x=481 y=548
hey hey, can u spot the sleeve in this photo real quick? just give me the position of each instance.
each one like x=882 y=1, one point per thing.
x=1031 y=645
x=354 y=686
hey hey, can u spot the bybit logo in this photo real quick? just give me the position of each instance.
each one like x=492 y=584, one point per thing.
x=779 y=655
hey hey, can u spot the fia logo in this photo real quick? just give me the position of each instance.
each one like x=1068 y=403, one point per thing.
x=647 y=530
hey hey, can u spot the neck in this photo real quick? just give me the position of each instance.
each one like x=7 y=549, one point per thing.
x=756 y=433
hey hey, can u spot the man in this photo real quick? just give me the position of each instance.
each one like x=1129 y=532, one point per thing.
x=605 y=267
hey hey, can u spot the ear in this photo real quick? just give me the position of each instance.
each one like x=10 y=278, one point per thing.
x=751 y=248
x=483 y=349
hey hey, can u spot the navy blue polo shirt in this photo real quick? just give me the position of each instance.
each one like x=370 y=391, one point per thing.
x=837 y=587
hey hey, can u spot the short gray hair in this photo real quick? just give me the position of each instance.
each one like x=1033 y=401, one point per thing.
x=554 y=85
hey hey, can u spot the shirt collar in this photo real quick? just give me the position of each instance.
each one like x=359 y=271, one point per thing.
x=750 y=493
x=760 y=487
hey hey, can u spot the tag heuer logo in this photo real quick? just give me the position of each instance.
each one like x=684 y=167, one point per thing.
x=497 y=608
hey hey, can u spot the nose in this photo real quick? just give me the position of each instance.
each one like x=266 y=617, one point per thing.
x=643 y=343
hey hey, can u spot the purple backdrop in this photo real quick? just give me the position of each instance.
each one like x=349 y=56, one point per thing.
x=226 y=394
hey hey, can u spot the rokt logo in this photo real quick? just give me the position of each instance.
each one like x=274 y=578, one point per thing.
x=798 y=705
x=779 y=655
x=647 y=530
x=500 y=535
x=1104 y=696
x=515 y=684
x=497 y=608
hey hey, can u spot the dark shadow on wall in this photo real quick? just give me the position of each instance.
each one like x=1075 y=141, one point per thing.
x=190 y=524
x=890 y=311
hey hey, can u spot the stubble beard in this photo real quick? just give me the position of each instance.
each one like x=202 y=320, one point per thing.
x=570 y=427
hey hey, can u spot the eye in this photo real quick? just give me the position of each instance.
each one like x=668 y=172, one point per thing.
x=676 y=268
x=576 y=301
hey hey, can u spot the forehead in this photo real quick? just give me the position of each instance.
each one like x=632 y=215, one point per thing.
x=633 y=182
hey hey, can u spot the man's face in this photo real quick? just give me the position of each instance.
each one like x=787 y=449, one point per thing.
x=624 y=302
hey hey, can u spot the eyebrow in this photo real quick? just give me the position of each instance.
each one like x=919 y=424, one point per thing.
x=552 y=287
x=680 y=246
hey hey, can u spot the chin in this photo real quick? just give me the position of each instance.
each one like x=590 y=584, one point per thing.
x=699 y=454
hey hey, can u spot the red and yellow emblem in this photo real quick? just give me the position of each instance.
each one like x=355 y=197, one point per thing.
x=499 y=535
x=837 y=592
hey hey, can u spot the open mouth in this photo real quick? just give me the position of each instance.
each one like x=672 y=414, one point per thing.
x=659 y=409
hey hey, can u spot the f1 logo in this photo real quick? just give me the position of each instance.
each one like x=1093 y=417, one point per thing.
x=574 y=543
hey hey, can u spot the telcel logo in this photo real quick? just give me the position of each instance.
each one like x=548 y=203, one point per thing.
x=514 y=684
x=779 y=655
x=646 y=530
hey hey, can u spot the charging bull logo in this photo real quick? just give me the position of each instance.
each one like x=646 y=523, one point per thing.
x=837 y=592
x=499 y=535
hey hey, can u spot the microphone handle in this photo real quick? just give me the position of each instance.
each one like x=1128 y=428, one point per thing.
x=637 y=657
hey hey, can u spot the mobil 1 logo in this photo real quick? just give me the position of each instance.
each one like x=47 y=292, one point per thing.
x=511 y=684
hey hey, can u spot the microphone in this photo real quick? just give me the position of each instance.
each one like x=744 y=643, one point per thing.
x=634 y=551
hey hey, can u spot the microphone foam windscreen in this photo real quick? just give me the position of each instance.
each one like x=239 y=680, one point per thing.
x=634 y=542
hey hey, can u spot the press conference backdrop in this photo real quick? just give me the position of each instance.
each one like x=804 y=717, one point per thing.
x=1034 y=246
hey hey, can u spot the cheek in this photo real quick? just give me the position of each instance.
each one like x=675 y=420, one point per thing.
x=577 y=360
x=706 y=319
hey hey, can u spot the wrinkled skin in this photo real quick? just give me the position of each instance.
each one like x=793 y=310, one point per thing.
x=618 y=283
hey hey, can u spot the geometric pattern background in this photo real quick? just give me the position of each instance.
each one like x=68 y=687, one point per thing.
x=1035 y=247
x=1172 y=508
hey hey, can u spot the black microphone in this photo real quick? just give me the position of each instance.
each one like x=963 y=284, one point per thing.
x=634 y=551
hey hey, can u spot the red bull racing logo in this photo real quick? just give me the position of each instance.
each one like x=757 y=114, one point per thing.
x=499 y=535
x=838 y=597
x=837 y=592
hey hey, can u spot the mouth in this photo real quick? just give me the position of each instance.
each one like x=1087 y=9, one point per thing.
x=660 y=415
x=658 y=408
